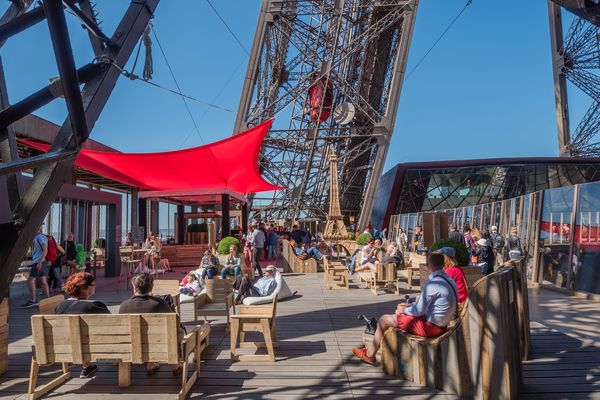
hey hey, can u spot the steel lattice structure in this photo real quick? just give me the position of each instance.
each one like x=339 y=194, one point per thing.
x=28 y=206
x=576 y=58
x=361 y=47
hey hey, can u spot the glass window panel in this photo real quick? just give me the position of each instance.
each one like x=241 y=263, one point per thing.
x=586 y=254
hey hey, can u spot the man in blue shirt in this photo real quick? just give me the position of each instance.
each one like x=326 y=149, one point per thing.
x=39 y=268
x=428 y=317
x=303 y=254
x=262 y=287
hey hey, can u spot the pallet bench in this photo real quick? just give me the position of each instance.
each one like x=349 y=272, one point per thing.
x=480 y=355
x=292 y=263
x=336 y=274
x=124 y=338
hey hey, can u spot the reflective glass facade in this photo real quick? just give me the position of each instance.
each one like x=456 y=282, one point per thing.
x=554 y=206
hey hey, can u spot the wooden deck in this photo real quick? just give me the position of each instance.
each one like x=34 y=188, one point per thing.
x=317 y=331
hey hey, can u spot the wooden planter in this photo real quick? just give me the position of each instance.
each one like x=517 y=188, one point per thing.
x=3 y=336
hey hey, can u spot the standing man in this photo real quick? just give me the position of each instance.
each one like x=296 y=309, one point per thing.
x=39 y=268
x=70 y=252
x=498 y=243
x=257 y=240
x=454 y=234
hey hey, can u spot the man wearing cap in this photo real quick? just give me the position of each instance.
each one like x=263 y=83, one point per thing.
x=428 y=317
x=262 y=287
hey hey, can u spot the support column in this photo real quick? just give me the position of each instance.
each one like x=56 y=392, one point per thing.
x=180 y=225
x=560 y=80
x=244 y=218
x=142 y=220
x=153 y=223
x=112 y=263
x=225 y=228
x=134 y=207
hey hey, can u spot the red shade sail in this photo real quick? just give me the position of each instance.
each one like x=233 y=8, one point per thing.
x=226 y=166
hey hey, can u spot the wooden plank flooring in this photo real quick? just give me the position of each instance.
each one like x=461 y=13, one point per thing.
x=316 y=331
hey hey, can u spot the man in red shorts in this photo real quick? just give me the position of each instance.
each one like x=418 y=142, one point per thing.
x=428 y=317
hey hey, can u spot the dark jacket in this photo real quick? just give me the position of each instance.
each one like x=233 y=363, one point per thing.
x=456 y=235
x=73 y=306
x=144 y=305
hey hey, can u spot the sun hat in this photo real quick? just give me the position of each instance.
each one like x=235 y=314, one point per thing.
x=482 y=242
x=271 y=268
x=449 y=251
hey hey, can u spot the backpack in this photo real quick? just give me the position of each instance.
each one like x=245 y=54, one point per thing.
x=52 y=253
x=498 y=241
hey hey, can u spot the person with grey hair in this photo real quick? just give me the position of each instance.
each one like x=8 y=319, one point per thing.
x=261 y=287
x=498 y=243
x=144 y=303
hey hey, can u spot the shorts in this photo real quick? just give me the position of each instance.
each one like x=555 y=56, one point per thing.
x=418 y=326
x=43 y=272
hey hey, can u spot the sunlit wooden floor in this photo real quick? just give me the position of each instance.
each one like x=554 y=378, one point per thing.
x=317 y=330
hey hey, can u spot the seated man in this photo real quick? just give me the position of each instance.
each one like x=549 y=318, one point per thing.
x=428 y=317
x=142 y=302
x=262 y=286
x=305 y=254
x=210 y=263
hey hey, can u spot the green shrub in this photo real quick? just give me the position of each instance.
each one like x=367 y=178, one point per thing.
x=363 y=238
x=197 y=227
x=226 y=242
x=462 y=256
x=351 y=235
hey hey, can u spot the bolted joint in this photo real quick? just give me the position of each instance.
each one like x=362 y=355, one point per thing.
x=18 y=222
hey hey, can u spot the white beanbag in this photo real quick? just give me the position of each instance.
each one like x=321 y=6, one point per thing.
x=282 y=291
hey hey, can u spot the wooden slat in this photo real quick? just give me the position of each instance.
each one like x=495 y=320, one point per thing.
x=135 y=328
x=173 y=338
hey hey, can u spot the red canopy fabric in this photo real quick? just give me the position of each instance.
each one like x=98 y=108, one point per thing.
x=229 y=165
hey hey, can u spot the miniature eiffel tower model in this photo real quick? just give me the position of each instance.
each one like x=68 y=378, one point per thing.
x=334 y=228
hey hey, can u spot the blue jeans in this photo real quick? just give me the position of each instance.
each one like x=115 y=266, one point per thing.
x=236 y=271
x=271 y=251
x=314 y=253
x=210 y=272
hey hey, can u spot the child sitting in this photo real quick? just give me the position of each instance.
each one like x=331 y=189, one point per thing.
x=191 y=285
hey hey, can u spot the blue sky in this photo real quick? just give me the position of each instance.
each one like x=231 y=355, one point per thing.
x=485 y=91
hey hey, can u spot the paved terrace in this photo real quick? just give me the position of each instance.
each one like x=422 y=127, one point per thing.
x=317 y=330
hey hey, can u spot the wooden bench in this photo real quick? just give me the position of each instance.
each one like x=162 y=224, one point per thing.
x=480 y=355
x=4 y=335
x=385 y=275
x=294 y=264
x=126 y=338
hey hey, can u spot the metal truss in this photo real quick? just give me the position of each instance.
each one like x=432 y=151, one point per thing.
x=361 y=47
x=29 y=207
x=576 y=58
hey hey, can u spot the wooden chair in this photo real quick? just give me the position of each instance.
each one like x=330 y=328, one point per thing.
x=386 y=275
x=128 y=262
x=128 y=338
x=336 y=274
x=4 y=335
x=292 y=263
x=255 y=318
x=168 y=286
x=47 y=306
x=217 y=300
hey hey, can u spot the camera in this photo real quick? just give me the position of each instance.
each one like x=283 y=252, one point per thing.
x=371 y=324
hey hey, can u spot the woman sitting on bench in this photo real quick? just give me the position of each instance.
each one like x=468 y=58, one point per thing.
x=428 y=317
x=80 y=287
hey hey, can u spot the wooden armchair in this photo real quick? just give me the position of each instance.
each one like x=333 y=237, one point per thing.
x=255 y=318
x=48 y=305
x=168 y=286
x=216 y=300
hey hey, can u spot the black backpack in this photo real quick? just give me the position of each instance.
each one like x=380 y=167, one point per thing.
x=498 y=241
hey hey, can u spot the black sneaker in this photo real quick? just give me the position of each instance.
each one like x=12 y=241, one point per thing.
x=88 y=371
x=30 y=304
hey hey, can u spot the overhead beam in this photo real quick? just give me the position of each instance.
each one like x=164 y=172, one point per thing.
x=87 y=10
x=582 y=8
x=45 y=95
x=59 y=33
x=87 y=20
x=17 y=234
x=20 y=23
